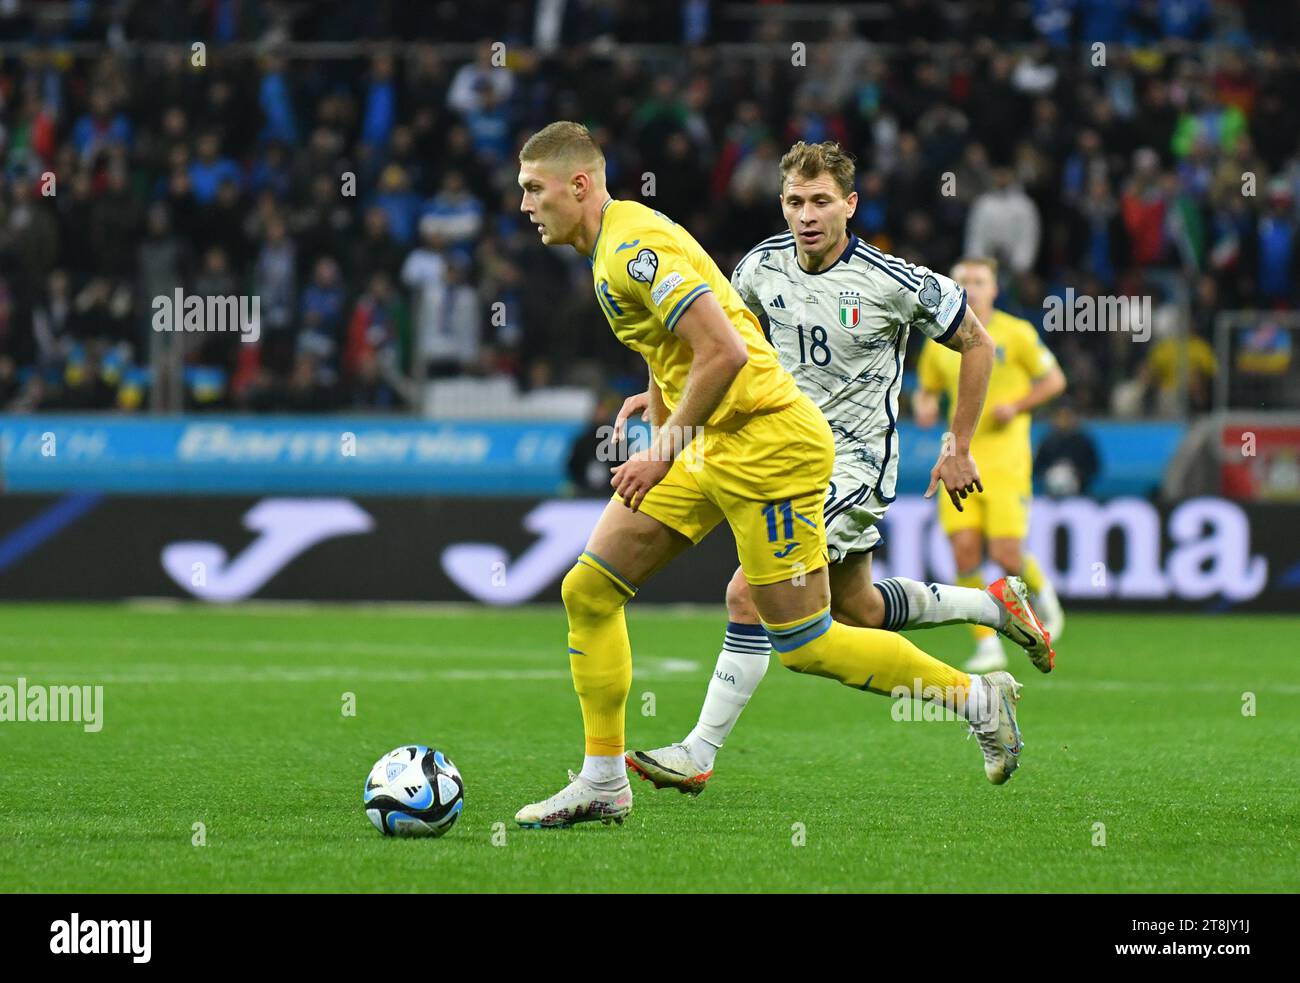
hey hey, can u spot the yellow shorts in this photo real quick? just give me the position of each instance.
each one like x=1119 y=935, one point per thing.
x=1000 y=511
x=766 y=474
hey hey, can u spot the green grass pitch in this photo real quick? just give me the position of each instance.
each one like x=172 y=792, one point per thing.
x=233 y=718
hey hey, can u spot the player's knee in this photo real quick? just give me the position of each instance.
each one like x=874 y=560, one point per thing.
x=966 y=555
x=1007 y=555
x=798 y=647
x=588 y=593
x=865 y=610
x=740 y=602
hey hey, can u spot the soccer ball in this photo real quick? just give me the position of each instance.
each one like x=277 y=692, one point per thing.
x=414 y=791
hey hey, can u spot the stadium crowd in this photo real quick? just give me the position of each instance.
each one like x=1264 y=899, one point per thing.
x=369 y=199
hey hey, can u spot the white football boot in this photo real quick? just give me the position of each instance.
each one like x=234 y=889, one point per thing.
x=1049 y=606
x=998 y=734
x=1021 y=625
x=988 y=655
x=577 y=802
x=669 y=767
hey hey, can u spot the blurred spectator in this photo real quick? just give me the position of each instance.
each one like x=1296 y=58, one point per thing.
x=1004 y=224
x=1143 y=206
x=1173 y=349
x=398 y=202
x=425 y=273
x=160 y=261
x=370 y=389
x=454 y=215
x=381 y=102
x=275 y=283
x=29 y=232
x=210 y=169
x=594 y=453
x=378 y=329
x=321 y=321
x=479 y=75
x=1272 y=254
x=1066 y=461
x=375 y=251
x=101 y=130
x=52 y=319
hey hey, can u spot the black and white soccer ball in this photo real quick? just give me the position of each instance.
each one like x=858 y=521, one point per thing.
x=414 y=791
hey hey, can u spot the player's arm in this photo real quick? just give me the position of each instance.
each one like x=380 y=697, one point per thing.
x=740 y=279
x=1045 y=389
x=976 y=348
x=937 y=306
x=657 y=411
x=1048 y=379
x=649 y=404
x=718 y=354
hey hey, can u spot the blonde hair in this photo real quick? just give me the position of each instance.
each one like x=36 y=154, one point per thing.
x=988 y=262
x=810 y=160
x=565 y=143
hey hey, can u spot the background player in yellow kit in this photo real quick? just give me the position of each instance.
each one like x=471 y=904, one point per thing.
x=1025 y=376
x=759 y=455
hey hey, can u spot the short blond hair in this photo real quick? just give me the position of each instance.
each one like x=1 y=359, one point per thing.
x=565 y=143
x=988 y=262
x=811 y=160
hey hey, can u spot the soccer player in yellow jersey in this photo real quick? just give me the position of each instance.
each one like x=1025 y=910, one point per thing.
x=740 y=442
x=1025 y=376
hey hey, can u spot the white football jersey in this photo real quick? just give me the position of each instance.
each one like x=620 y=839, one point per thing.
x=842 y=334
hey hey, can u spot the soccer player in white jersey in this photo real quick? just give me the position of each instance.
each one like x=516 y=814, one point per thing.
x=838 y=312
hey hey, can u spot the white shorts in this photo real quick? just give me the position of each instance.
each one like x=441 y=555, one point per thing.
x=853 y=510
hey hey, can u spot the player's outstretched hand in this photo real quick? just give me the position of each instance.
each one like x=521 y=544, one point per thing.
x=631 y=405
x=958 y=473
x=637 y=475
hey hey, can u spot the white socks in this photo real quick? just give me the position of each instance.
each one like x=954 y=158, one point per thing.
x=740 y=668
x=980 y=709
x=912 y=604
x=605 y=771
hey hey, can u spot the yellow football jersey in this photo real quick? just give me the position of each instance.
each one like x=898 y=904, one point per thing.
x=647 y=271
x=1020 y=358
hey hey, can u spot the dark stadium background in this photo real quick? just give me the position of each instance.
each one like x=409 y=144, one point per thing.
x=188 y=520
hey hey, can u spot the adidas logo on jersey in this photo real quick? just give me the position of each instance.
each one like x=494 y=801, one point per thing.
x=778 y=303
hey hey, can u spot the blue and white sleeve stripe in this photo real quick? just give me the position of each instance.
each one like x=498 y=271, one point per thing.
x=960 y=316
x=680 y=307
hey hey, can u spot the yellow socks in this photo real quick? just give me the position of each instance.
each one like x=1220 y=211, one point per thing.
x=1031 y=573
x=864 y=658
x=600 y=655
x=975 y=580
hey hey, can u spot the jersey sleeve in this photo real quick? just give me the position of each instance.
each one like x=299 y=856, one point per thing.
x=743 y=281
x=651 y=266
x=1032 y=355
x=925 y=300
x=929 y=374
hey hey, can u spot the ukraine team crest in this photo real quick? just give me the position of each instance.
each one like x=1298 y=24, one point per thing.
x=850 y=309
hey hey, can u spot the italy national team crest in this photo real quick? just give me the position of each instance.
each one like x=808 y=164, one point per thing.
x=850 y=309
